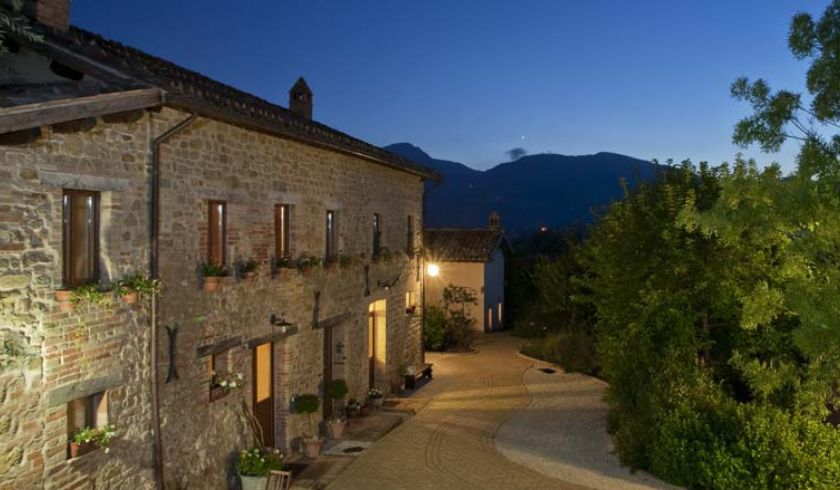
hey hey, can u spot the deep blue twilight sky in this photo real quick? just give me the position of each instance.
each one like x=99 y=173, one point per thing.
x=468 y=79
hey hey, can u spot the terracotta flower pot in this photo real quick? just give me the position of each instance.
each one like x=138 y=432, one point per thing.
x=130 y=297
x=212 y=283
x=336 y=428
x=312 y=447
x=80 y=449
x=64 y=298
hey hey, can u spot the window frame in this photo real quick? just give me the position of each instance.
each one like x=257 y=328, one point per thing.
x=377 y=234
x=331 y=237
x=409 y=235
x=223 y=232
x=67 y=237
x=282 y=230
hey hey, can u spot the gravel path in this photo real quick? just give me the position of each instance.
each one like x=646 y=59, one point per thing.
x=562 y=433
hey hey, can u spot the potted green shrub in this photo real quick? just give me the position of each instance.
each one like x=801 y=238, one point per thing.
x=65 y=299
x=353 y=408
x=254 y=466
x=88 y=439
x=376 y=397
x=337 y=390
x=312 y=442
x=306 y=263
x=249 y=268
x=212 y=275
x=129 y=287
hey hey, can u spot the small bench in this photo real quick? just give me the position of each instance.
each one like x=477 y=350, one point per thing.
x=420 y=371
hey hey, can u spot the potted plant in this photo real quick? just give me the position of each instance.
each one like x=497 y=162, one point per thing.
x=91 y=294
x=65 y=299
x=279 y=263
x=337 y=389
x=212 y=275
x=312 y=442
x=88 y=439
x=249 y=268
x=129 y=287
x=254 y=466
x=376 y=397
x=352 y=408
x=305 y=263
x=223 y=383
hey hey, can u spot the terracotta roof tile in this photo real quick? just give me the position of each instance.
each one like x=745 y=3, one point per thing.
x=462 y=245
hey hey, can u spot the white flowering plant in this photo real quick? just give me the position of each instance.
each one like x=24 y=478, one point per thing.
x=259 y=462
x=100 y=436
x=230 y=381
x=376 y=393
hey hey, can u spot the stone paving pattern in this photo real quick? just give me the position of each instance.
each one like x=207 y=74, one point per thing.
x=450 y=444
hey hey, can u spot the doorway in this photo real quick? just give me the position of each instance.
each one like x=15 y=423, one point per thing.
x=263 y=390
x=377 y=343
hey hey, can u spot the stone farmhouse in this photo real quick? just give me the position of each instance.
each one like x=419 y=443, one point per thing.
x=474 y=259
x=115 y=163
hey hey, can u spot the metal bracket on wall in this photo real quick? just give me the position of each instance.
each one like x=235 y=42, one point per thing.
x=172 y=332
x=315 y=308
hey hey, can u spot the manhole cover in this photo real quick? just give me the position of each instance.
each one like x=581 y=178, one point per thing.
x=354 y=449
x=548 y=370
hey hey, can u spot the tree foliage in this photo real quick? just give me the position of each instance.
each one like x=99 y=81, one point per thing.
x=14 y=25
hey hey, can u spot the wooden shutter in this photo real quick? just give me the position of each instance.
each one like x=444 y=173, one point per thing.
x=217 y=233
x=80 y=237
x=282 y=228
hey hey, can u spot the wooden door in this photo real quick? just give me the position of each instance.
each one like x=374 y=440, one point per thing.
x=372 y=347
x=328 y=361
x=263 y=390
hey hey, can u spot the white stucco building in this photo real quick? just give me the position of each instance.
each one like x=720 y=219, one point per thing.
x=472 y=258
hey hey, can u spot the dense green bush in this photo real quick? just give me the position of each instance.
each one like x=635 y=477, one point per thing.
x=434 y=328
x=572 y=349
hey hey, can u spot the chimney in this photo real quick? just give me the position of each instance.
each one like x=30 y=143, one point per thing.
x=300 y=99
x=51 y=13
x=495 y=221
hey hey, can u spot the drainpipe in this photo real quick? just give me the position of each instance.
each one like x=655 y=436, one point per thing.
x=434 y=186
x=155 y=273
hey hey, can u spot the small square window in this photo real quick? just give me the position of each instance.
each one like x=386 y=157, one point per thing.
x=217 y=369
x=410 y=302
x=87 y=412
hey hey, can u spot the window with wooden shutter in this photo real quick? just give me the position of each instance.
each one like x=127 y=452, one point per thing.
x=87 y=411
x=377 y=234
x=282 y=216
x=217 y=233
x=409 y=235
x=80 y=237
x=332 y=245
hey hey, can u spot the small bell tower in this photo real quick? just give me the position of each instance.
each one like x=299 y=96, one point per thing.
x=300 y=99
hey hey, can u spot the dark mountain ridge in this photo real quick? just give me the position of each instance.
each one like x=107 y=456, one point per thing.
x=543 y=189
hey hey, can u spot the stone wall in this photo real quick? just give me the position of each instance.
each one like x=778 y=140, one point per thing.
x=66 y=355
x=94 y=348
x=252 y=172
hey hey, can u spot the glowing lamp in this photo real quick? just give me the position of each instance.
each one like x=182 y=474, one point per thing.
x=433 y=270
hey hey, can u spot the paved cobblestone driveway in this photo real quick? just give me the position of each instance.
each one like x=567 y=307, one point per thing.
x=449 y=443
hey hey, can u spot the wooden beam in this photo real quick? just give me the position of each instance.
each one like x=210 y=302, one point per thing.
x=218 y=347
x=57 y=111
x=333 y=320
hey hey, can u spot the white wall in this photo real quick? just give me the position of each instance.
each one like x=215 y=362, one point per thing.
x=466 y=274
x=494 y=290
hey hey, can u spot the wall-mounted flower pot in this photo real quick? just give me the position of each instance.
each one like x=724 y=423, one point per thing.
x=411 y=310
x=312 y=447
x=217 y=392
x=80 y=449
x=130 y=297
x=65 y=299
x=212 y=283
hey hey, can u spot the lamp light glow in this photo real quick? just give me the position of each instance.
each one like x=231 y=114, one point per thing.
x=433 y=270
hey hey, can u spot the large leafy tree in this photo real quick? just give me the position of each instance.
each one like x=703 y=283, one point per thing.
x=14 y=25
